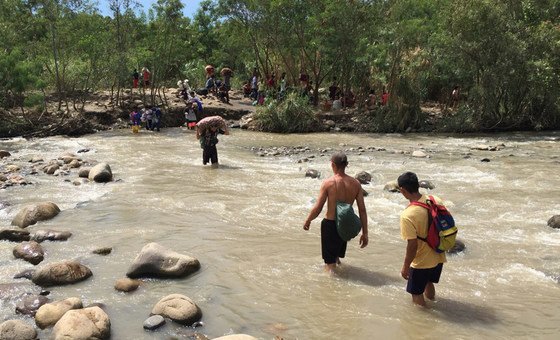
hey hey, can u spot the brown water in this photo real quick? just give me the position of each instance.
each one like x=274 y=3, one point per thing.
x=262 y=274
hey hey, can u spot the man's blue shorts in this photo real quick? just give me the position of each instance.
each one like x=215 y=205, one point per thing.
x=419 y=278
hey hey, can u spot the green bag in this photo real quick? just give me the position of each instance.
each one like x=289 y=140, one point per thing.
x=348 y=224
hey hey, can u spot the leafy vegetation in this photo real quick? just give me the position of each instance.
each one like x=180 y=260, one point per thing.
x=504 y=55
x=292 y=114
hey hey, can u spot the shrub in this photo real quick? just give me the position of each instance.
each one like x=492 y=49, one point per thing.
x=293 y=114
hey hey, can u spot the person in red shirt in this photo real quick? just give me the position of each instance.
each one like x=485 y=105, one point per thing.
x=146 y=76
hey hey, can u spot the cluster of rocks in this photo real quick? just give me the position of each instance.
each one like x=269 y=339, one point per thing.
x=14 y=174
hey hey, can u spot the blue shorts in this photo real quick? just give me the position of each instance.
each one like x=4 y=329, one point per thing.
x=419 y=278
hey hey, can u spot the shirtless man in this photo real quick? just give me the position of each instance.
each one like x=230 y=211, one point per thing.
x=339 y=187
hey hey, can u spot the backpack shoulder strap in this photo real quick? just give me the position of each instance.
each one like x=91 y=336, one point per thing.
x=420 y=204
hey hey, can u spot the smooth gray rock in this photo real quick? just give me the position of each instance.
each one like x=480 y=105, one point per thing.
x=17 y=330
x=155 y=260
x=102 y=251
x=363 y=177
x=14 y=235
x=153 y=322
x=101 y=173
x=178 y=308
x=83 y=324
x=391 y=186
x=61 y=273
x=457 y=248
x=84 y=172
x=31 y=252
x=48 y=314
x=554 y=222
x=50 y=235
x=31 y=214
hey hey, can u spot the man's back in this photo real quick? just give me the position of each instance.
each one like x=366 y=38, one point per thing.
x=341 y=188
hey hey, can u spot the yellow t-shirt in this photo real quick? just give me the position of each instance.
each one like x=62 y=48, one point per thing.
x=414 y=222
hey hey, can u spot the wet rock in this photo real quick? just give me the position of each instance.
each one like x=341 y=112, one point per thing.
x=51 y=169
x=31 y=214
x=101 y=173
x=75 y=164
x=363 y=177
x=12 y=168
x=89 y=323
x=391 y=186
x=312 y=173
x=102 y=251
x=26 y=274
x=14 y=235
x=3 y=178
x=482 y=147
x=419 y=154
x=153 y=322
x=36 y=159
x=84 y=172
x=426 y=185
x=49 y=314
x=126 y=285
x=77 y=182
x=30 y=303
x=31 y=252
x=50 y=235
x=457 y=248
x=554 y=222
x=155 y=260
x=17 y=330
x=178 y=308
x=236 y=337
x=83 y=150
x=61 y=273
x=485 y=160
x=4 y=153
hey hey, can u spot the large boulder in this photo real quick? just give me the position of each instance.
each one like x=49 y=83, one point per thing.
x=14 y=235
x=178 y=308
x=101 y=173
x=155 y=260
x=236 y=337
x=17 y=330
x=31 y=214
x=554 y=222
x=363 y=177
x=30 y=303
x=50 y=235
x=49 y=314
x=61 y=273
x=83 y=324
x=31 y=252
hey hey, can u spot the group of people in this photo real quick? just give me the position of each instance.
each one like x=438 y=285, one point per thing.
x=422 y=265
x=220 y=88
x=145 y=77
x=148 y=117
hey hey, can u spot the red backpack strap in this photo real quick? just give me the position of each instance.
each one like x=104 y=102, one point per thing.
x=420 y=204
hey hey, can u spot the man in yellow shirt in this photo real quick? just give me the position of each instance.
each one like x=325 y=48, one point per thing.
x=422 y=264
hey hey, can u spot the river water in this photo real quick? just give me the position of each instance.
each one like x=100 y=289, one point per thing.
x=262 y=274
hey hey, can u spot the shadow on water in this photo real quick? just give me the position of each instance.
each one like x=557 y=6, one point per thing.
x=464 y=313
x=365 y=276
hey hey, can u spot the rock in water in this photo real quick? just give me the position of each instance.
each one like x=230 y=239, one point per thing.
x=14 y=235
x=391 y=187
x=554 y=222
x=178 y=308
x=31 y=214
x=457 y=248
x=126 y=285
x=427 y=185
x=153 y=322
x=155 y=260
x=312 y=173
x=31 y=252
x=61 y=273
x=30 y=303
x=88 y=324
x=101 y=173
x=50 y=235
x=363 y=177
x=49 y=314
x=17 y=330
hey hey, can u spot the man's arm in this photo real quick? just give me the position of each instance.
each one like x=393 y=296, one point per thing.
x=411 y=248
x=363 y=217
x=323 y=194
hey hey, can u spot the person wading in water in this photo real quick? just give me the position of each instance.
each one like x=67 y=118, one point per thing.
x=338 y=188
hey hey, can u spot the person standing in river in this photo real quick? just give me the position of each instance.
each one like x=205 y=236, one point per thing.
x=208 y=139
x=422 y=264
x=338 y=188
